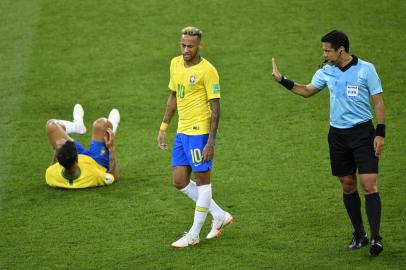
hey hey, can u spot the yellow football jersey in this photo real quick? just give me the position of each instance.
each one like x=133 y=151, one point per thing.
x=194 y=87
x=91 y=175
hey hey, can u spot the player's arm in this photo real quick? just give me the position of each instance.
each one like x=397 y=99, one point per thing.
x=110 y=144
x=208 y=151
x=170 y=111
x=379 y=140
x=57 y=136
x=304 y=90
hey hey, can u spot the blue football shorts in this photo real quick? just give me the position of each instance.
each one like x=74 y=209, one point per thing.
x=187 y=151
x=97 y=150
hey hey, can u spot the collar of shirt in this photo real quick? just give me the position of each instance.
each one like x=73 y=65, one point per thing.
x=353 y=62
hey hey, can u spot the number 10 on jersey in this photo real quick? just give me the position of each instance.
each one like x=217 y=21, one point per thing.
x=196 y=155
x=181 y=91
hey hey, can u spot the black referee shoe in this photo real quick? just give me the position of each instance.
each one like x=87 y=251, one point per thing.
x=358 y=241
x=376 y=246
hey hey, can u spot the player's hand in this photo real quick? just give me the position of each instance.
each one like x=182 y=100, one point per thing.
x=378 y=145
x=161 y=140
x=275 y=72
x=109 y=139
x=208 y=152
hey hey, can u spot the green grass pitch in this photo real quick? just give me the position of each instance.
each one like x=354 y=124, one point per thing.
x=271 y=167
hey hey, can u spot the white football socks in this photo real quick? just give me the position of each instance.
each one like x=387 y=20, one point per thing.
x=191 y=191
x=69 y=126
x=78 y=114
x=114 y=118
x=202 y=207
x=77 y=126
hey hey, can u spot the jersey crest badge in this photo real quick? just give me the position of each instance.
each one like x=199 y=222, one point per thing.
x=192 y=79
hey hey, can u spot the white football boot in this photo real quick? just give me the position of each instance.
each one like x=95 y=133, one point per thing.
x=218 y=224
x=185 y=241
x=114 y=118
x=78 y=114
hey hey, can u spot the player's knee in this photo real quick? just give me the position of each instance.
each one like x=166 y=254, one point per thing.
x=100 y=124
x=203 y=178
x=51 y=124
x=179 y=184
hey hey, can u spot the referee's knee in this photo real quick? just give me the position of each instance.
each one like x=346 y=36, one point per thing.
x=368 y=183
x=349 y=184
x=369 y=187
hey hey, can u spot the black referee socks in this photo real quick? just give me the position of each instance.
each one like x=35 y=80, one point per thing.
x=373 y=208
x=352 y=203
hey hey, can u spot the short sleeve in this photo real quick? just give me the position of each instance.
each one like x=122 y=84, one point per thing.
x=373 y=81
x=212 y=83
x=79 y=148
x=319 y=80
x=171 y=84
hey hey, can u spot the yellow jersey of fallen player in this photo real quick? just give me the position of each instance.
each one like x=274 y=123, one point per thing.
x=92 y=174
x=194 y=87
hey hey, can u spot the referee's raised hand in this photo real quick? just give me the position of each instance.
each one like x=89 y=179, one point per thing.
x=275 y=72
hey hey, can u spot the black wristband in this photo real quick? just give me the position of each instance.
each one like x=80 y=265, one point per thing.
x=288 y=84
x=380 y=130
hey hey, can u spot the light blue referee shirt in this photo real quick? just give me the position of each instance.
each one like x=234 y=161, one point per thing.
x=350 y=89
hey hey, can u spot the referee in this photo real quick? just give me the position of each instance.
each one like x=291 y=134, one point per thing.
x=354 y=143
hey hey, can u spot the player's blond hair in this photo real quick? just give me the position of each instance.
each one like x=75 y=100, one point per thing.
x=192 y=31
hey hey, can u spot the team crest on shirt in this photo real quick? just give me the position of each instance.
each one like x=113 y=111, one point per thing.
x=103 y=151
x=192 y=79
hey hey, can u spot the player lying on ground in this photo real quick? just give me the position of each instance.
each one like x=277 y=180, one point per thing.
x=74 y=166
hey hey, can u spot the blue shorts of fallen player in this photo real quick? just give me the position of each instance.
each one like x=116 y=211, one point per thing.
x=187 y=151
x=97 y=150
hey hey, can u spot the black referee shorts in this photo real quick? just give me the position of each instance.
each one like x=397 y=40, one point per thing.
x=352 y=149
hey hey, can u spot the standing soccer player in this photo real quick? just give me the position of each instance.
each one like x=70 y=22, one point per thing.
x=353 y=141
x=195 y=92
